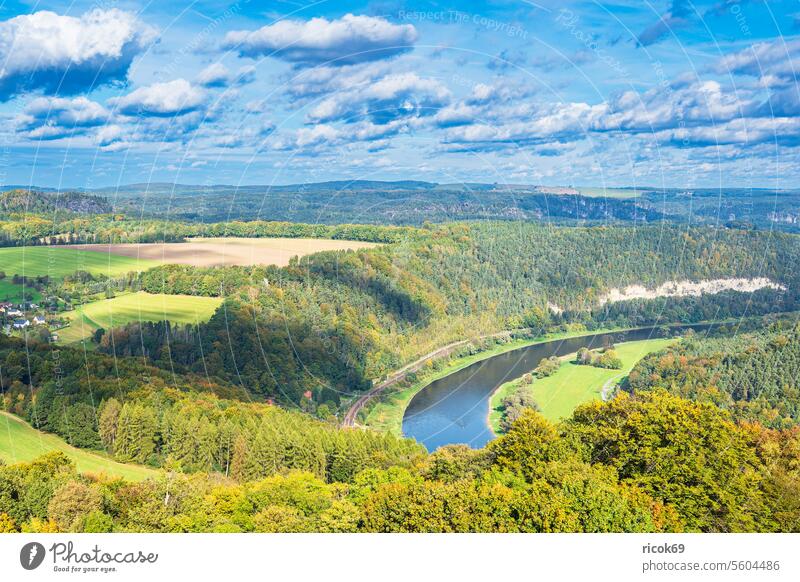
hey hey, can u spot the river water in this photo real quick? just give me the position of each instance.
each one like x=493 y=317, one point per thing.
x=455 y=409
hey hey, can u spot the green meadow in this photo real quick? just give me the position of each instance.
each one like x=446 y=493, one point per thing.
x=56 y=262
x=140 y=306
x=13 y=292
x=20 y=442
x=558 y=395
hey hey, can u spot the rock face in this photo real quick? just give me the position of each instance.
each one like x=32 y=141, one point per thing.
x=689 y=288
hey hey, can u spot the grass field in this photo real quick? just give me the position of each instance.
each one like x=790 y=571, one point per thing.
x=207 y=252
x=558 y=395
x=141 y=306
x=11 y=292
x=20 y=442
x=386 y=413
x=56 y=262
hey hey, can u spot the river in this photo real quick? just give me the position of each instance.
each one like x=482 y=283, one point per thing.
x=455 y=409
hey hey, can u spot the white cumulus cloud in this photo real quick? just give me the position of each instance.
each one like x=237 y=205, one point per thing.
x=218 y=75
x=51 y=53
x=384 y=100
x=350 y=39
x=57 y=117
x=168 y=99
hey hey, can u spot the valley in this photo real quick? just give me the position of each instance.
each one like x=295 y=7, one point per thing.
x=373 y=364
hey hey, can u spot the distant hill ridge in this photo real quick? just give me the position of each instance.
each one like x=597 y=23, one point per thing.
x=38 y=202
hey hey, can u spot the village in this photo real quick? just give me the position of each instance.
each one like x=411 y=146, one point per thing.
x=18 y=318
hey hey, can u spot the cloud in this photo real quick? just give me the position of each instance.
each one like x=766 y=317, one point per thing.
x=306 y=137
x=550 y=63
x=217 y=75
x=316 y=81
x=741 y=132
x=782 y=103
x=554 y=122
x=500 y=101
x=173 y=98
x=386 y=99
x=779 y=59
x=247 y=135
x=64 y=55
x=700 y=102
x=687 y=112
x=676 y=18
x=110 y=136
x=508 y=59
x=56 y=117
x=350 y=39
x=501 y=91
x=317 y=138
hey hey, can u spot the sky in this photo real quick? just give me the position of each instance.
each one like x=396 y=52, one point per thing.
x=561 y=93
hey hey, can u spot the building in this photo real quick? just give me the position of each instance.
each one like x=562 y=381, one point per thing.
x=39 y=320
x=21 y=323
x=12 y=312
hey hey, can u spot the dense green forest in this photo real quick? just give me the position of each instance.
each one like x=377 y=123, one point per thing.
x=146 y=415
x=30 y=229
x=380 y=205
x=756 y=376
x=648 y=463
x=330 y=323
x=66 y=204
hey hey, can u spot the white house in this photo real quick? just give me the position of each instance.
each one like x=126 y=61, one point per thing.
x=21 y=323
x=14 y=313
x=39 y=320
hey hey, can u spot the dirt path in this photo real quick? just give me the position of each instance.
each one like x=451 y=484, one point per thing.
x=608 y=388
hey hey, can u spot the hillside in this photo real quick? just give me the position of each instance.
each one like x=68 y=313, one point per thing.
x=413 y=202
x=756 y=376
x=19 y=442
x=401 y=203
x=38 y=202
x=331 y=323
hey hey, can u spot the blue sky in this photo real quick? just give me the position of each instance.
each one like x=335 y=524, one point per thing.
x=630 y=93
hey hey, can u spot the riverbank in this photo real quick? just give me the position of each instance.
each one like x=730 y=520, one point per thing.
x=572 y=385
x=386 y=412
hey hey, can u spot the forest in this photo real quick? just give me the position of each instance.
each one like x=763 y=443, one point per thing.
x=755 y=375
x=652 y=462
x=138 y=413
x=414 y=202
